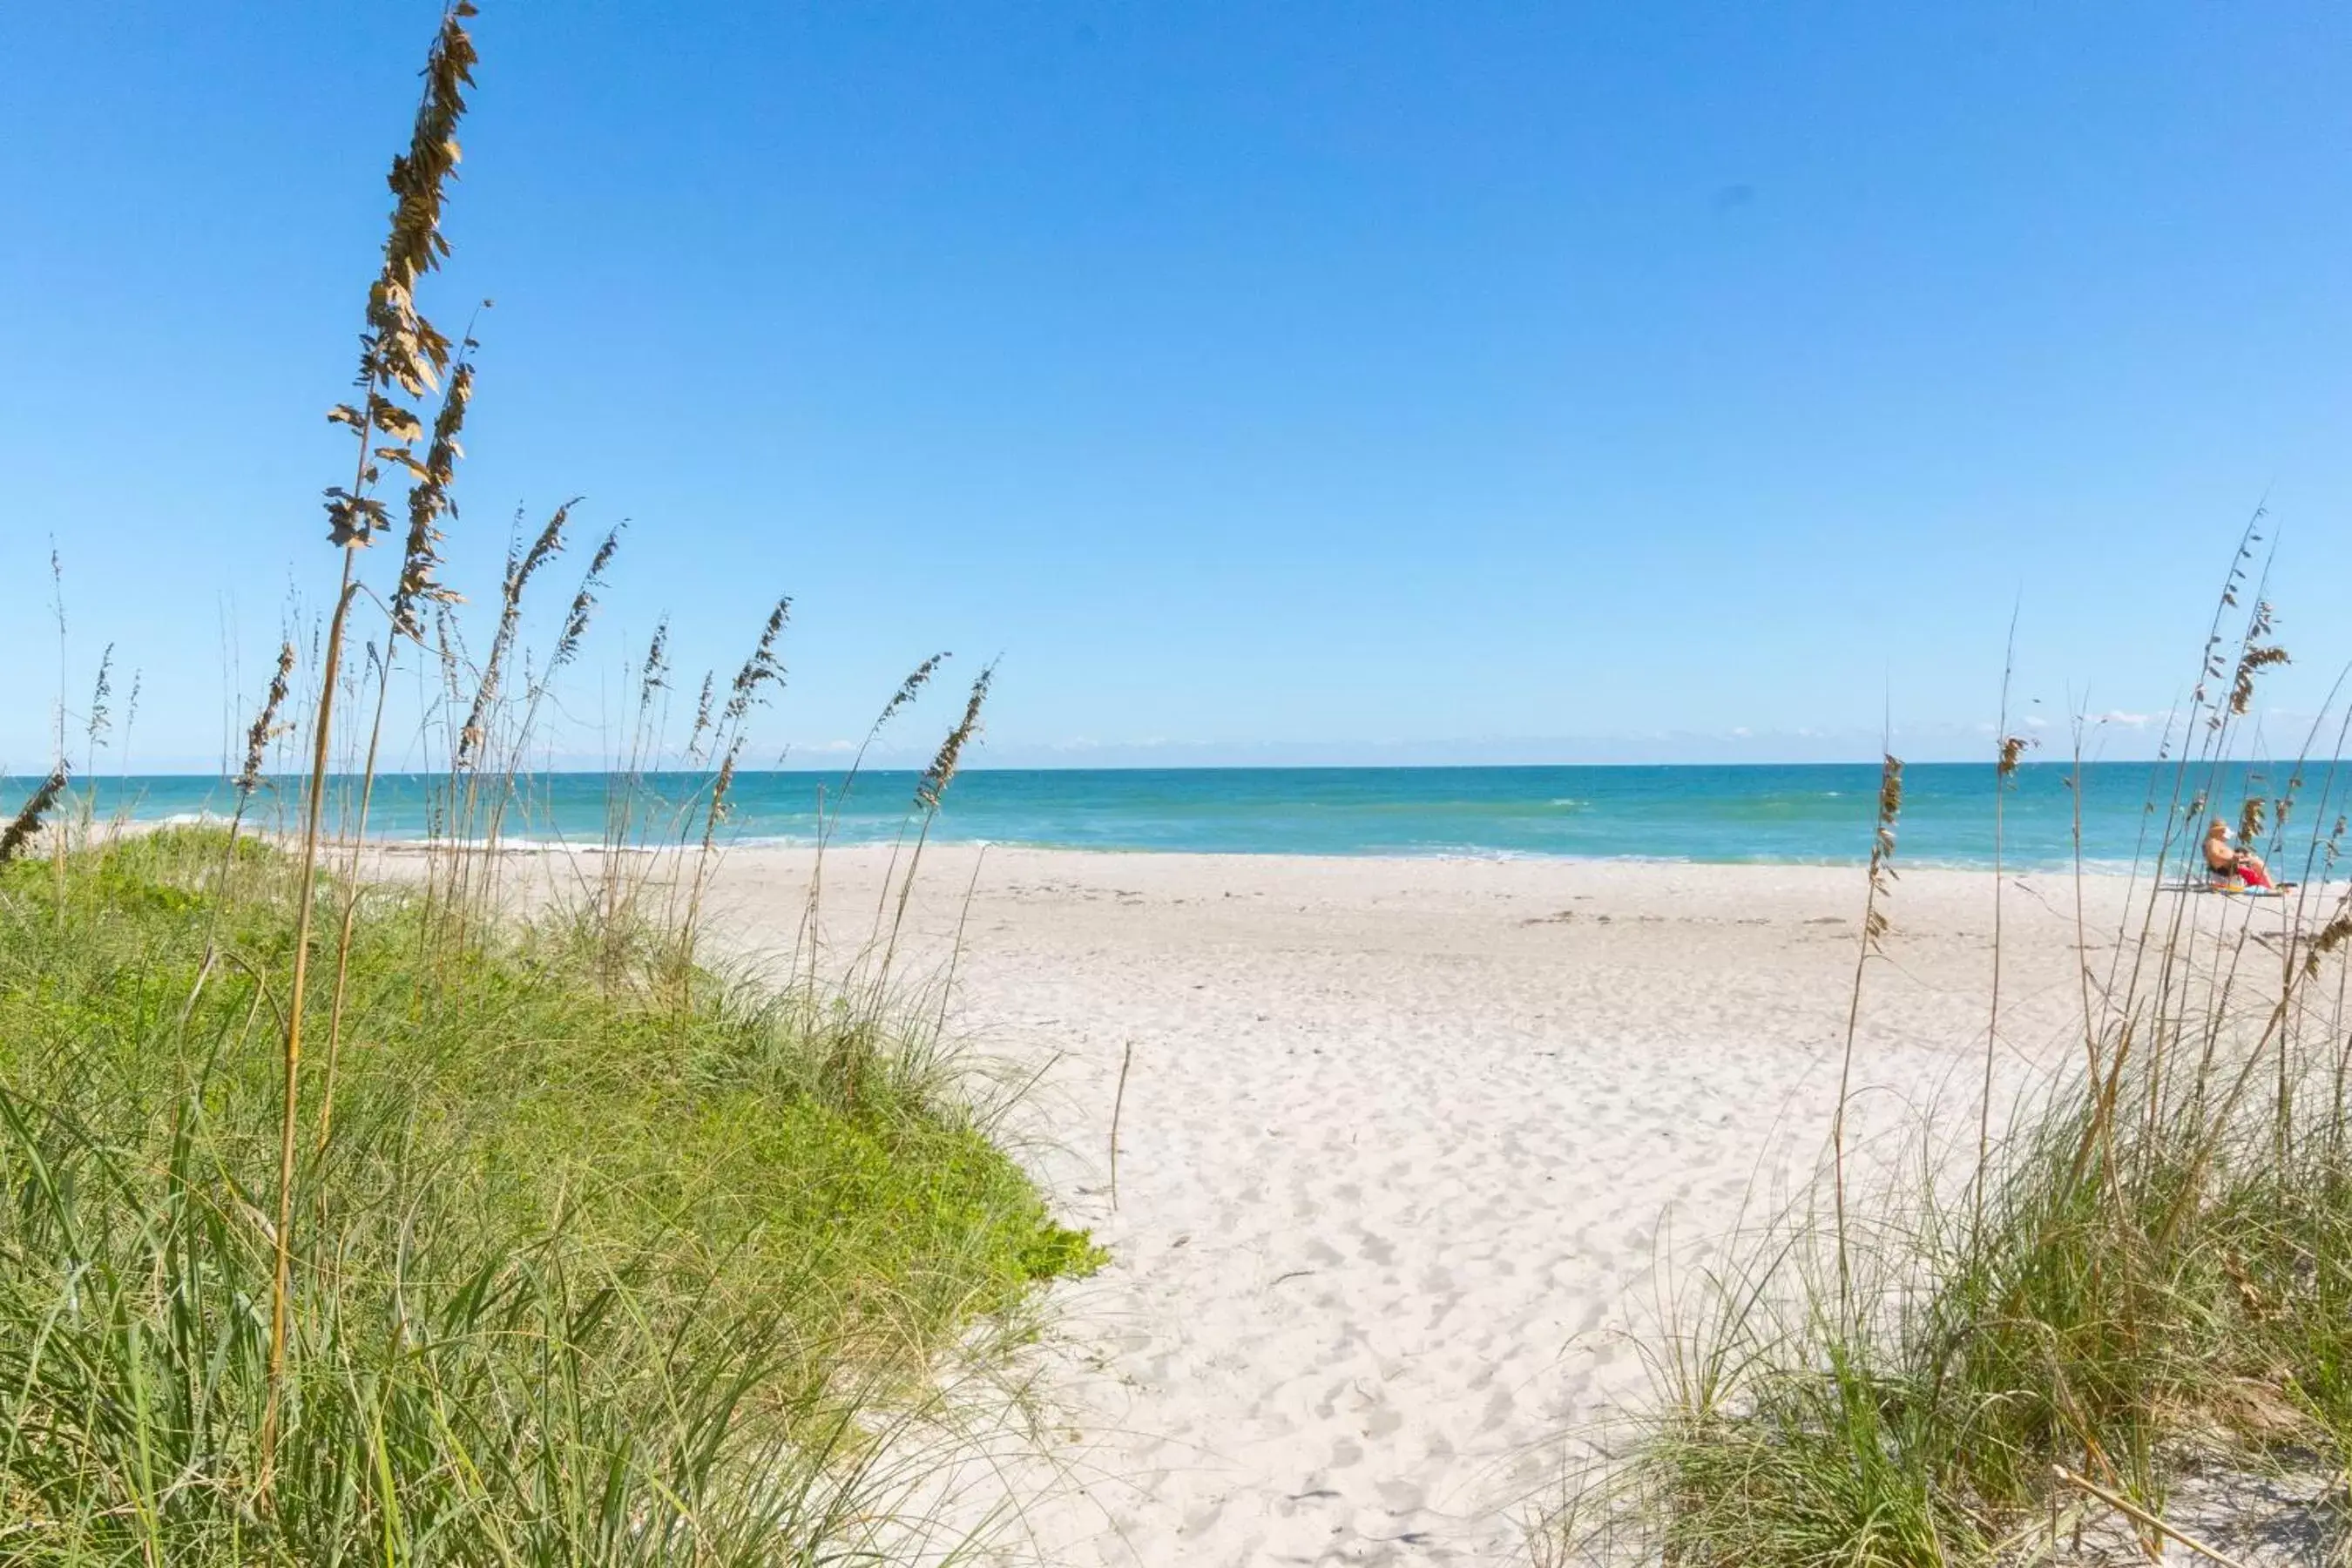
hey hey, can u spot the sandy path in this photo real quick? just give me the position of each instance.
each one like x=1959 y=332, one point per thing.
x=1402 y=1145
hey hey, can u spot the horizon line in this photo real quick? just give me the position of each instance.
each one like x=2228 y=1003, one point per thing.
x=2038 y=764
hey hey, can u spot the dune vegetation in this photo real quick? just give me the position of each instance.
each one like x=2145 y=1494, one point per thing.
x=2056 y=1317
x=353 y=1216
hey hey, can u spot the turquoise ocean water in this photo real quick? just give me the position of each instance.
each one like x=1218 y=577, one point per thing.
x=1810 y=814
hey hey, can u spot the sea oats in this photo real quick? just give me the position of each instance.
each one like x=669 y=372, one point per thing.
x=2335 y=934
x=694 y=740
x=100 y=721
x=27 y=820
x=942 y=770
x=656 y=670
x=583 y=603
x=910 y=687
x=400 y=351
x=762 y=668
x=1874 y=937
x=265 y=727
x=473 y=737
x=428 y=502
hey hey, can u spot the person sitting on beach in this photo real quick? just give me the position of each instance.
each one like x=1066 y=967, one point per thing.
x=2225 y=863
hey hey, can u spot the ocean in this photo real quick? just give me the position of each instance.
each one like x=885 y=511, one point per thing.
x=1811 y=814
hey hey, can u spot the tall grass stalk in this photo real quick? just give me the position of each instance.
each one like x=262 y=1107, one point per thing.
x=2010 y=750
x=930 y=791
x=400 y=355
x=1874 y=935
x=761 y=671
x=827 y=821
x=297 y=993
x=429 y=500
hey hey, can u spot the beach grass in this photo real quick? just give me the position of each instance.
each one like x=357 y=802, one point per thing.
x=580 y=1274
x=2011 y=1336
x=367 y=1207
x=2128 y=1330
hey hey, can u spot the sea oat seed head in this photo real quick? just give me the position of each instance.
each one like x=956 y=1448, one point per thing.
x=942 y=770
x=428 y=502
x=583 y=603
x=656 y=664
x=27 y=820
x=265 y=727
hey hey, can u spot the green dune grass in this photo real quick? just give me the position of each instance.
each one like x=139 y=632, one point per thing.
x=600 y=1261
x=2146 y=1276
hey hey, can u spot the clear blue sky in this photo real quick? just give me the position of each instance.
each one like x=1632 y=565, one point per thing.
x=1336 y=380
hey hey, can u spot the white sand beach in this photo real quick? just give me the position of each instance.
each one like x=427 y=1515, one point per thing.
x=1402 y=1142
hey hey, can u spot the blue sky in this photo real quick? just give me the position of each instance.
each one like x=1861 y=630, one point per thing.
x=1323 y=381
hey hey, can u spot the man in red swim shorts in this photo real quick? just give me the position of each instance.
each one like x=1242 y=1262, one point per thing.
x=2223 y=861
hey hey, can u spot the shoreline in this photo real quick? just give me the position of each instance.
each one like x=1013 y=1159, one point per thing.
x=1664 y=815
x=524 y=844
